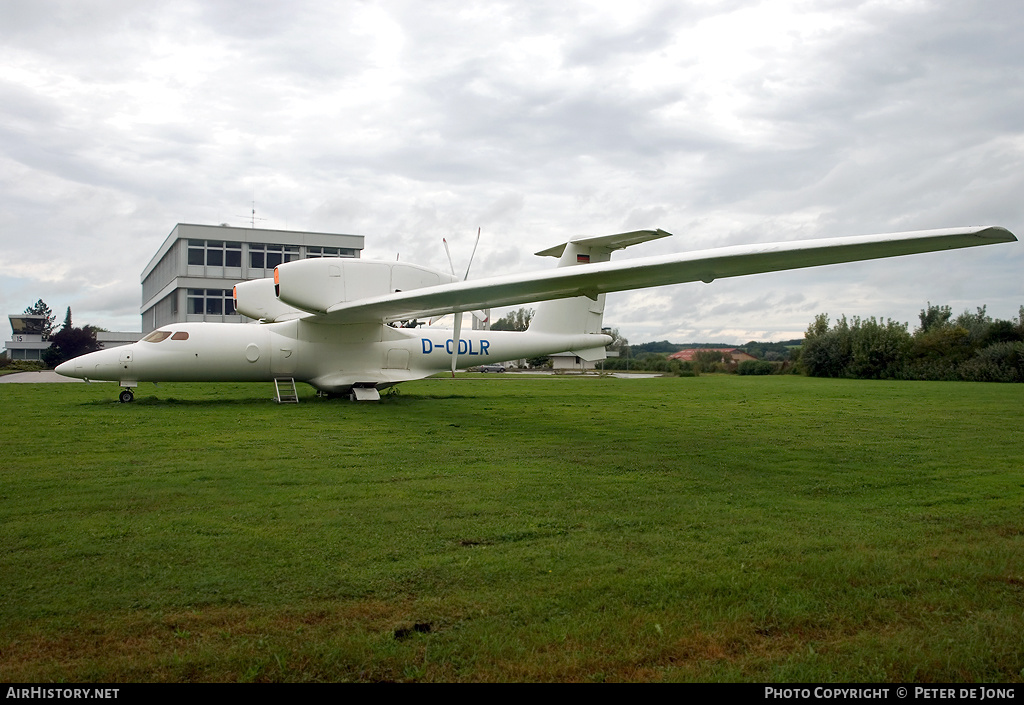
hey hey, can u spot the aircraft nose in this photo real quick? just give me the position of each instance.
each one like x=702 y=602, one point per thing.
x=99 y=365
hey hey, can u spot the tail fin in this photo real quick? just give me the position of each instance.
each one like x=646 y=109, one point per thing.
x=583 y=314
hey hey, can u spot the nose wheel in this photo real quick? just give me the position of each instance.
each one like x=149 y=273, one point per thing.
x=126 y=396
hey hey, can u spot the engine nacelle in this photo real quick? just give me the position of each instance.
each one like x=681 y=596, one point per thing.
x=256 y=299
x=315 y=285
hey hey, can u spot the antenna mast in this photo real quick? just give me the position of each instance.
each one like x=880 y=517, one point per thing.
x=252 y=217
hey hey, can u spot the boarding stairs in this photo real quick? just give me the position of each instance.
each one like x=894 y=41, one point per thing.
x=286 y=392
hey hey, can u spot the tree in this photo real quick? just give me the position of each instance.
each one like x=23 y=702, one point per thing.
x=774 y=352
x=945 y=346
x=934 y=317
x=514 y=320
x=70 y=342
x=619 y=342
x=864 y=348
x=708 y=360
x=659 y=346
x=826 y=352
x=41 y=309
x=1001 y=332
x=971 y=346
x=754 y=348
x=537 y=362
x=999 y=362
x=878 y=349
x=977 y=324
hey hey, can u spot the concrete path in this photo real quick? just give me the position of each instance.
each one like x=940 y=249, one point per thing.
x=41 y=377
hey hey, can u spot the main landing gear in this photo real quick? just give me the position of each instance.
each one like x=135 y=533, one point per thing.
x=126 y=395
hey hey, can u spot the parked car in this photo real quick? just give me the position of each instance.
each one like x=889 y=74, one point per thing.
x=492 y=368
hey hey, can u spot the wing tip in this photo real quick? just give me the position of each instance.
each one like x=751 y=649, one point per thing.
x=996 y=233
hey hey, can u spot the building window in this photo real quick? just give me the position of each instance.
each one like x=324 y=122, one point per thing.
x=269 y=256
x=315 y=252
x=25 y=354
x=211 y=302
x=215 y=253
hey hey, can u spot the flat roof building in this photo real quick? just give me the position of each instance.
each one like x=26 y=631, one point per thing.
x=27 y=339
x=191 y=276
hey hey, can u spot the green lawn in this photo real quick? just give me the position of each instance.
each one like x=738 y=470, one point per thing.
x=509 y=528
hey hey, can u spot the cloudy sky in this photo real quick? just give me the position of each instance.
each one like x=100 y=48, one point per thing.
x=721 y=121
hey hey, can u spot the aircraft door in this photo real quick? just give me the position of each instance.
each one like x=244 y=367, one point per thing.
x=284 y=357
x=284 y=354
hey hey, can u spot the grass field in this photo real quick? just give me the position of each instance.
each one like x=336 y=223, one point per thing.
x=504 y=528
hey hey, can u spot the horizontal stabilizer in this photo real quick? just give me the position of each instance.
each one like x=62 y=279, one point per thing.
x=590 y=354
x=609 y=242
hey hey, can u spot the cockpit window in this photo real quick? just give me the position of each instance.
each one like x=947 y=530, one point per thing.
x=156 y=336
x=180 y=335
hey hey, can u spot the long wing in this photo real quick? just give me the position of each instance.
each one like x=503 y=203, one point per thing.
x=704 y=265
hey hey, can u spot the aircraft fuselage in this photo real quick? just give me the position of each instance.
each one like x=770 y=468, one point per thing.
x=332 y=358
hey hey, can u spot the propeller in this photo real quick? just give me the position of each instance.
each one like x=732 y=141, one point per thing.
x=458 y=314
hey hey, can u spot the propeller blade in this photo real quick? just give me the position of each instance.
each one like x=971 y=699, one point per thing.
x=471 y=256
x=451 y=265
x=455 y=340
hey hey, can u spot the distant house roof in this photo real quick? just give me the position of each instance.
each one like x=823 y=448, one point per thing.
x=735 y=354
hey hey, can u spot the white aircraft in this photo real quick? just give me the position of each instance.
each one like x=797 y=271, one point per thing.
x=351 y=325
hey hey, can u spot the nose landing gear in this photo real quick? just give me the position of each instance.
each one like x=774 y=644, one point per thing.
x=126 y=396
